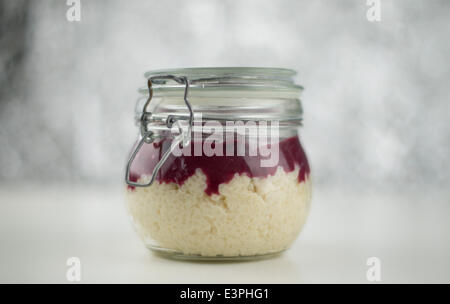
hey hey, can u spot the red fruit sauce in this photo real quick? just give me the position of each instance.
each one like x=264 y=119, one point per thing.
x=218 y=169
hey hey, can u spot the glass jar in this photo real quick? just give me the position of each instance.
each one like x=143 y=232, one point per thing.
x=218 y=171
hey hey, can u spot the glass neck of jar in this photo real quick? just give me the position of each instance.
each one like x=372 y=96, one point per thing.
x=222 y=108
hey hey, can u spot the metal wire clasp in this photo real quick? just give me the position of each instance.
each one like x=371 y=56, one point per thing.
x=148 y=136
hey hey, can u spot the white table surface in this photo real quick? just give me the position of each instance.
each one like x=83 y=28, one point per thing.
x=42 y=226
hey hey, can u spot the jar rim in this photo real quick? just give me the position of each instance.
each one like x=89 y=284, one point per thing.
x=224 y=93
x=229 y=78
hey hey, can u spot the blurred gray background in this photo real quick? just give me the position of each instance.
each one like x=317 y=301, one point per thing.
x=376 y=93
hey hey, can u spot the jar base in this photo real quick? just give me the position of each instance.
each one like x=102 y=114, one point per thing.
x=176 y=255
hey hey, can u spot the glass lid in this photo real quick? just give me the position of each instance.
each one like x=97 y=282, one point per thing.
x=224 y=93
x=229 y=78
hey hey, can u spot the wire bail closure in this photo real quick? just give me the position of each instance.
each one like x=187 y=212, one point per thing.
x=148 y=136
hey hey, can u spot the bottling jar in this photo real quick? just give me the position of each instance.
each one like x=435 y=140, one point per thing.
x=218 y=170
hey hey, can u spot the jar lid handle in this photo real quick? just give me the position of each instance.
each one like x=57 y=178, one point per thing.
x=148 y=136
